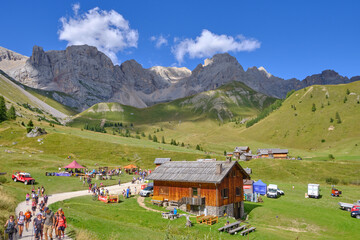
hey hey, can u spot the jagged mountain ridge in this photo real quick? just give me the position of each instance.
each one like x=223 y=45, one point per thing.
x=88 y=76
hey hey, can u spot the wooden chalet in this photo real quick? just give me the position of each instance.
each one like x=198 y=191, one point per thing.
x=275 y=153
x=212 y=187
x=159 y=161
x=239 y=151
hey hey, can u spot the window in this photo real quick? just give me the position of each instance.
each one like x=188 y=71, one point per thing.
x=225 y=193
x=164 y=190
x=194 y=192
x=238 y=191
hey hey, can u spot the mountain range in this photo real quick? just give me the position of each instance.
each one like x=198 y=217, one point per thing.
x=83 y=76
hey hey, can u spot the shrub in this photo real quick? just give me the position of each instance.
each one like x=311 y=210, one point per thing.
x=345 y=99
x=347 y=91
x=3 y=180
x=322 y=140
x=331 y=180
x=313 y=108
x=331 y=157
x=331 y=120
x=337 y=116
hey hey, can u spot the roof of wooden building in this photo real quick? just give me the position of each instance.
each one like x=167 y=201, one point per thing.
x=161 y=160
x=241 y=149
x=194 y=171
x=272 y=150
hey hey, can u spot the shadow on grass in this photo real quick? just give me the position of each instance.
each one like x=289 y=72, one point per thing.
x=249 y=206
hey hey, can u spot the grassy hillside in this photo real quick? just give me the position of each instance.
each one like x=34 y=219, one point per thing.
x=308 y=120
x=234 y=100
x=13 y=94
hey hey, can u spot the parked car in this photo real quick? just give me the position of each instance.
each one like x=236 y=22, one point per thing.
x=146 y=192
x=280 y=192
x=26 y=178
x=335 y=192
x=355 y=214
x=348 y=206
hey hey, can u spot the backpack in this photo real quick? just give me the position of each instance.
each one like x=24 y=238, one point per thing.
x=28 y=215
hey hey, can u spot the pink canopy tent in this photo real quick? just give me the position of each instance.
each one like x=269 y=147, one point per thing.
x=74 y=164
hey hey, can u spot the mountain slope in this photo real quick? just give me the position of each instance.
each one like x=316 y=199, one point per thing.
x=297 y=124
x=229 y=101
x=87 y=76
x=19 y=96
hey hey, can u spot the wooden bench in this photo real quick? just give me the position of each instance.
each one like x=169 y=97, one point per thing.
x=212 y=220
x=199 y=219
x=157 y=200
x=237 y=229
x=229 y=227
x=247 y=231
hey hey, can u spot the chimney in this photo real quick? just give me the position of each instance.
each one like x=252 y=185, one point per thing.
x=218 y=168
x=228 y=159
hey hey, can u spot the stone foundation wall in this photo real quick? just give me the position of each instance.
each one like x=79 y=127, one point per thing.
x=220 y=211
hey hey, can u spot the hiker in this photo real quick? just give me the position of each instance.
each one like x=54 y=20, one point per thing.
x=33 y=206
x=49 y=222
x=38 y=226
x=28 y=216
x=56 y=217
x=128 y=192
x=90 y=186
x=38 y=191
x=41 y=206
x=10 y=227
x=46 y=198
x=61 y=225
x=36 y=199
x=119 y=182
x=27 y=198
x=42 y=191
x=21 y=222
x=60 y=212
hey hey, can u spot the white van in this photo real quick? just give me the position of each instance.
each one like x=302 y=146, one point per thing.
x=272 y=191
x=313 y=190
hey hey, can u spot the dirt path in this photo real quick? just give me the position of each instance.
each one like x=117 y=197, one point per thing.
x=63 y=118
x=141 y=202
x=116 y=189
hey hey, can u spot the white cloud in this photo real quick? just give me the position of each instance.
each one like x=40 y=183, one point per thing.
x=106 y=30
x=75 y=8
x=159 y=41
x=208 y=44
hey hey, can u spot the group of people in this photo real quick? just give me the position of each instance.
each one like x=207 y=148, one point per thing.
x=44 y=222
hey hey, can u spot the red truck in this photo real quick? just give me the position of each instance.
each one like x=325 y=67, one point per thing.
x=26 y=178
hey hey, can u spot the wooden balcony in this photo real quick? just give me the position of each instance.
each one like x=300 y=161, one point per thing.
x=195 y=201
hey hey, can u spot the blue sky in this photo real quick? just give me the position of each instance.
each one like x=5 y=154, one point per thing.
x=288 y=38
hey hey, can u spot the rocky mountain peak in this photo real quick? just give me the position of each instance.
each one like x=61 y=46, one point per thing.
x=10 y=60
x=263 y=70
x=220 y=58
x=39 y=57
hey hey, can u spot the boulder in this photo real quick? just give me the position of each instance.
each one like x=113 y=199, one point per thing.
x=36 y=132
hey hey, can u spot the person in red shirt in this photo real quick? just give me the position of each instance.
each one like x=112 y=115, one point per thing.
x=61 y=225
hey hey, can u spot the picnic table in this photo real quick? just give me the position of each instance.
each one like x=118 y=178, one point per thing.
x=170 y=215
x=229 y=227
x=247 y=231
x=209 y=220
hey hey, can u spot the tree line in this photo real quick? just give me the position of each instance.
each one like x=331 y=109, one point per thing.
x=6 y=114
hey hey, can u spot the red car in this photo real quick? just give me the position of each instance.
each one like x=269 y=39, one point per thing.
x=26 y=178
x=355 y=208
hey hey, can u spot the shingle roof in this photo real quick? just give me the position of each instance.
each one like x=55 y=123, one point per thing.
x=193 y=171
x=241 y=149
x=161 y=160
x=273 y=150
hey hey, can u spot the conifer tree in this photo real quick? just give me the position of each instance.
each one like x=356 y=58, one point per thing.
x=313 y=107
x=337 y=116
x=30 y=126
x=163 y=140
x=2 y=109
x=11 y=114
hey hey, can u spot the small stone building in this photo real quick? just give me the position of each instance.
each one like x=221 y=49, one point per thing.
x=212 y=187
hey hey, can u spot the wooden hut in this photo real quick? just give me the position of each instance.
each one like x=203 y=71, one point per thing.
x=212 y=187
x=159 y=161
x=238 y=151
x=275 y=153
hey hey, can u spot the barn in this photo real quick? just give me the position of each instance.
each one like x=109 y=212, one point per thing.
x=212 y=187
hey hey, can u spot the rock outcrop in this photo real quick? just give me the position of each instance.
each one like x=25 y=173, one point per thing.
x=35 y=132
x=84 y=76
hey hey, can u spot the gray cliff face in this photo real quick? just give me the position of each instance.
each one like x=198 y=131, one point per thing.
x=87 y=76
